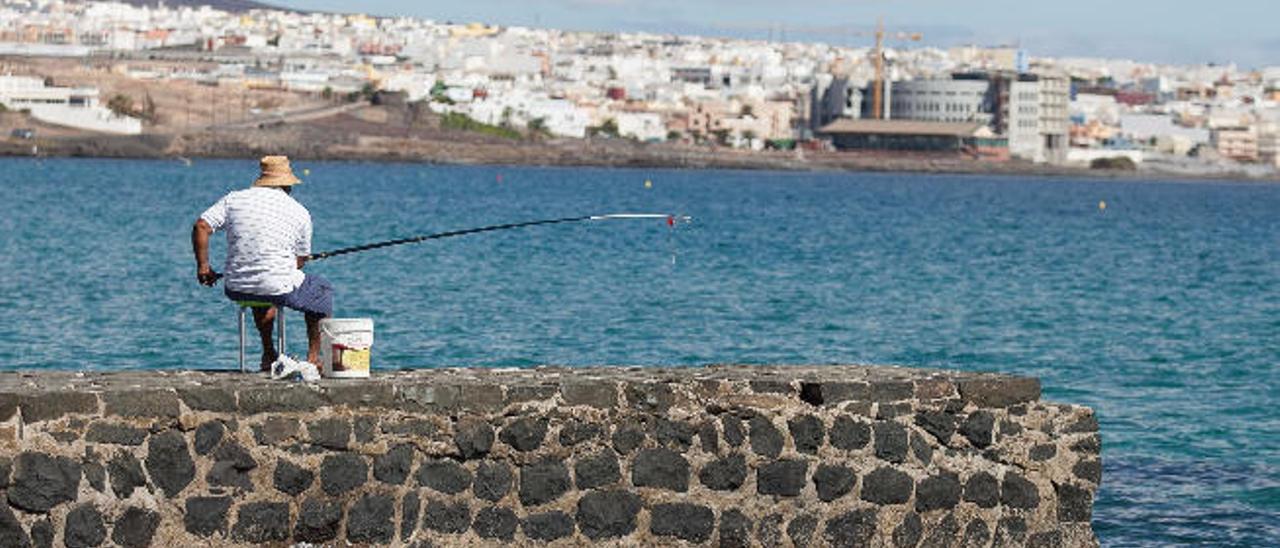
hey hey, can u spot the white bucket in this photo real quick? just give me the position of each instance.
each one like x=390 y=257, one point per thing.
x=345 y=346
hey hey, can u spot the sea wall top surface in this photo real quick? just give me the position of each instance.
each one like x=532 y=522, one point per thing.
x=714 y=456
x=48 y=395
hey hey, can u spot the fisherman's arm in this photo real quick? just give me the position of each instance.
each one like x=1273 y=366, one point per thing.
x=200 y=232
x=302 y=245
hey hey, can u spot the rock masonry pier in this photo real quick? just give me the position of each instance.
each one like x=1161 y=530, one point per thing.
x=715 y=456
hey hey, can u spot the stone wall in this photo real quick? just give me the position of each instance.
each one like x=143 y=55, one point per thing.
x=719 y=456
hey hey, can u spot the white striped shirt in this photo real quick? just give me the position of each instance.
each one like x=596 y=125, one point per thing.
x=267 y=230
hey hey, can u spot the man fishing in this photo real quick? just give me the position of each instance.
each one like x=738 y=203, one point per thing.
x=268 y=242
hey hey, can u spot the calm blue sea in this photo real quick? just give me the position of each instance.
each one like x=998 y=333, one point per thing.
x=1162 y=312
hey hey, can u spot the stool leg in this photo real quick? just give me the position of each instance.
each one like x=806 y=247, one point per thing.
x=280 y=320
x=241 y=316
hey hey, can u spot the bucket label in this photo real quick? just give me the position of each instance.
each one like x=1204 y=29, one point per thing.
x=350 y=359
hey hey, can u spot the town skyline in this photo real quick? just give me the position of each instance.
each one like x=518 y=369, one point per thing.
x=1172 y=32
x=986 y=104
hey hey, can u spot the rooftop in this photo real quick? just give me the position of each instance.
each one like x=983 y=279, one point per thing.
x=903 y=127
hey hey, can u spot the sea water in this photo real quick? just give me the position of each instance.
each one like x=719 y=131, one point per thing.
x=1161 y=311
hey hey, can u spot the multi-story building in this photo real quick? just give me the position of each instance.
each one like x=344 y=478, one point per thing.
x=833 y=97
x=943 y=101
x=742 y=120
x=1238 y=143
x=1269 y=143
x=1038 y=125
x=1030 y=110
x=1024 y=120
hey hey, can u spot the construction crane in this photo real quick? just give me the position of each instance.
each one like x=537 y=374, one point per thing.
x=877 y=94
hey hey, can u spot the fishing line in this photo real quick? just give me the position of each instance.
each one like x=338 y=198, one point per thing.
x=672 y=221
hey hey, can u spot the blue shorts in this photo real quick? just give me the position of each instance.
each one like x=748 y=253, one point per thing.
x=314 y=296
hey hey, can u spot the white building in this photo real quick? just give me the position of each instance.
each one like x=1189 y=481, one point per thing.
x=1100 y=108
x=560 y=117
x=1168 y=137
x=642 y=126
x=313 y=81
x=1038 y=119
x=942 y=100
x=71 y=107
x=416 y=85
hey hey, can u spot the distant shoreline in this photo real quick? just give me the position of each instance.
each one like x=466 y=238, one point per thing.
x=385 y=130
x=308 y=143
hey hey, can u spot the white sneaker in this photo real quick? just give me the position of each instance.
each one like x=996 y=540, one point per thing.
x=309 y=371
x=283 y=367
x=287 y=368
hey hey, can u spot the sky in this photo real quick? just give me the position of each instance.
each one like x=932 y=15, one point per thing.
x=1246 y=32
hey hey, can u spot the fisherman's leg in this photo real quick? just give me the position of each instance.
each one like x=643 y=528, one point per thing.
x=314 y=298
x=313 y=337
x=265 y=319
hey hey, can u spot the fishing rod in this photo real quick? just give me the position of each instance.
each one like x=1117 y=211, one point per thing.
x=670 y=219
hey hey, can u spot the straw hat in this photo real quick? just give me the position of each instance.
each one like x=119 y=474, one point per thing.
x=276 y=172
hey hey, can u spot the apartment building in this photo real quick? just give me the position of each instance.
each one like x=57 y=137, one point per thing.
x=1239 y=143
x=834 y=97
x=1038 y=120
x=1269 y=143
